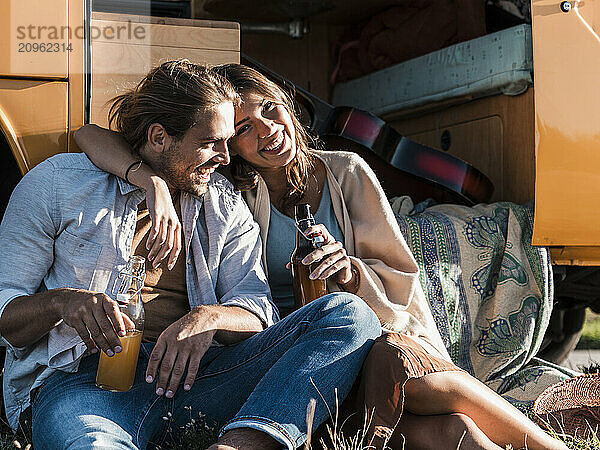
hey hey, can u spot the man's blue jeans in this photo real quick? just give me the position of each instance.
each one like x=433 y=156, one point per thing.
x=264 y=382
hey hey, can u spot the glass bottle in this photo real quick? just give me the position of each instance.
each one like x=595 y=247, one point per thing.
x=117 y=372
x=305 y=289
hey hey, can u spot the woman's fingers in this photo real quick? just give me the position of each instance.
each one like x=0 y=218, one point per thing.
x=322 y=252
x=167 y=246
x=331 y=256
x=331 y=265
x=156 y=224
x=164 y=238
x=159 y=241
x=176 y=246
x=165 y=243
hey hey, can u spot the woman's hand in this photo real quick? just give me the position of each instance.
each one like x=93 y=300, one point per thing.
x=109 y=151
x=334 y=261
x=165 y=237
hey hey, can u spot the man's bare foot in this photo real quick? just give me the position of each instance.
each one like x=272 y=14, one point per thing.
x=245 y=439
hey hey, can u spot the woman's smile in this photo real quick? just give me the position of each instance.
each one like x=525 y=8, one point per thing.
x=265 y=134
x=277 y=145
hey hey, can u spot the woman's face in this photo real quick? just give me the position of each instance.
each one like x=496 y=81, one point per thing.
x=264 y=133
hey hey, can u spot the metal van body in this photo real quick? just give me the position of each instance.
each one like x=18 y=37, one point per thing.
x=566 y=50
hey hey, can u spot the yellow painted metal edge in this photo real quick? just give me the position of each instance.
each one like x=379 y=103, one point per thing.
x=11 y=137
x=575 y=256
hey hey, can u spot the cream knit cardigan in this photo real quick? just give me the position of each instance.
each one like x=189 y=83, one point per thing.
x=389 y=278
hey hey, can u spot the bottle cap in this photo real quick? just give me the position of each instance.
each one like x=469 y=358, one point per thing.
x=302 y=211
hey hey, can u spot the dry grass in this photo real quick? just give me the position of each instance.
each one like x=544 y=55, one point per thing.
x=195 y=436
x=590 y=338
x=198 y=435
x=591 y=441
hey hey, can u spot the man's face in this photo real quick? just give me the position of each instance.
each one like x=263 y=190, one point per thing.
x=188 y=163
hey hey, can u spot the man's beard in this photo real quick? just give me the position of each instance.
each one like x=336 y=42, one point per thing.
x=170 y=169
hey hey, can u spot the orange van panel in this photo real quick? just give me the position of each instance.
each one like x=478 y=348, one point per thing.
x=33 y=116
x=34 y=38
x=566 y=52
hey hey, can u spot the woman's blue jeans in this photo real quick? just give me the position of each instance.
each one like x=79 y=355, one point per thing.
x=264 y=382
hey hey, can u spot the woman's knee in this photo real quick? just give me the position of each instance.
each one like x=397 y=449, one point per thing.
x=444 y=390
x=351 y=310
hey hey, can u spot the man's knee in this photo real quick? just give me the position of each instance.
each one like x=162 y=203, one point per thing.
x=80 y=432
x=69 y=412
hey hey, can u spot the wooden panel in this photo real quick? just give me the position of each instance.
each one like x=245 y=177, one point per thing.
x=36 y=115
x=117 y=65
x=22 y=33
x=307 y=61
x=467 y=140
x=164 y=32
x=304 y=61
x=494 y=134
x=122 y=75
x=566 y=52
x=76 y=95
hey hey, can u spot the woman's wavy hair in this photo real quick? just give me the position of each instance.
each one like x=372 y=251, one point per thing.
x=172 y=94
x=246 y=80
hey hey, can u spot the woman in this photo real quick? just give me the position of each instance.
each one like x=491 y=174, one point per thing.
x=418 y=395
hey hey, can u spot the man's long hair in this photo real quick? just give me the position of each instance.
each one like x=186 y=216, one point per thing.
x=174 y=94
x=246 y=80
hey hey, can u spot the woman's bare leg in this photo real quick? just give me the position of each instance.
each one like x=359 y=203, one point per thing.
x=245 y=439
x=458 y=392
x=440 y=432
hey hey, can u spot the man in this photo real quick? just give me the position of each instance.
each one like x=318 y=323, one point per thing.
x=67 y=230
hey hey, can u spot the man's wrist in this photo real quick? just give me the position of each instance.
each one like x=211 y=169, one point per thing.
x=211 y=315
x=57 y=302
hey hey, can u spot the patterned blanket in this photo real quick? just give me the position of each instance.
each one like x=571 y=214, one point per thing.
x=490 y=291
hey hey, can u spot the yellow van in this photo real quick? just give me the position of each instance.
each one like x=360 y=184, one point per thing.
x=533 y=136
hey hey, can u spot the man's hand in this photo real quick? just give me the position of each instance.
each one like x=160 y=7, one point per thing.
x=95 y=317
x=183 y=343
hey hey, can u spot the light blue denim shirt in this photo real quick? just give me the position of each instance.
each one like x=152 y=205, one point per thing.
x=69 y=224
